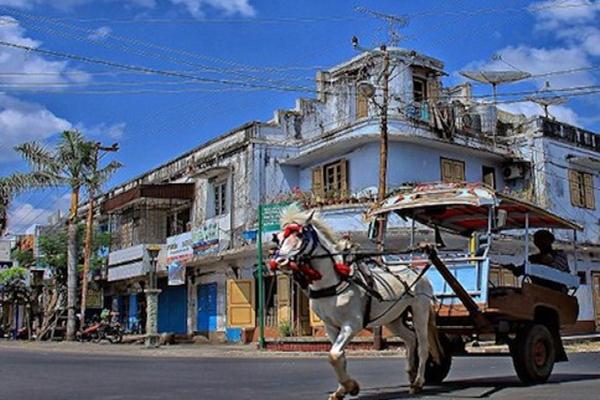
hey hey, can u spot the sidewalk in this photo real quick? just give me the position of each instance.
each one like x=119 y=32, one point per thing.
x=573 y=344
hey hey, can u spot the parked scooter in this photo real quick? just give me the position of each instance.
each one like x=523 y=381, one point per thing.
x=90 y=332
x=111 y=331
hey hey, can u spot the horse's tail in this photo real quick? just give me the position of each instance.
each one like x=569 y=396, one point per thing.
x=435 y=347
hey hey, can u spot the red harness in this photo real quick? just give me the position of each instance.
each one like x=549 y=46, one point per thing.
x=311 y=274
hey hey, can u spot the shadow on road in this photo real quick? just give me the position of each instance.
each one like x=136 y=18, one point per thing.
x=479 y=388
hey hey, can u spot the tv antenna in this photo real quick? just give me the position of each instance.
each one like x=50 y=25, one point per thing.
x=495 y=78
x=394 y=23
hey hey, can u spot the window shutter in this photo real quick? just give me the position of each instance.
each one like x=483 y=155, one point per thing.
x=446 y=170
x=459 y=171
x=574 y=188
x=588 y=185
x=317 y=183
x=362 y=106
x=344 y=179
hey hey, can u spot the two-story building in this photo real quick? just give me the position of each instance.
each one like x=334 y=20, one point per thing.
x=202 y=206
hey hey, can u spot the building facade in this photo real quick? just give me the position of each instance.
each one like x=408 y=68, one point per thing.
x=202 y=207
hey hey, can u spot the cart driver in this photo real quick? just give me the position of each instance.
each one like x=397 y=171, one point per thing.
x=557 y=259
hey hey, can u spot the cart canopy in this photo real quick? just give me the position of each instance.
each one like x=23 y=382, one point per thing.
x=464 y=208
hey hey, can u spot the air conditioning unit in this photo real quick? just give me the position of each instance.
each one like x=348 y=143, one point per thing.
x=513 y=172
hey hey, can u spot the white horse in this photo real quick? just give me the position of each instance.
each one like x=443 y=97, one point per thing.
x=309 y=249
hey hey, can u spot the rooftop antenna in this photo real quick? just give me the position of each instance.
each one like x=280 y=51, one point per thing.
x=394 y=23
x=545 y=98
x=495 y=78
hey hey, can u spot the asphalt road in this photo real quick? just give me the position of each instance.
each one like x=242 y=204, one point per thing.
x=52 y=375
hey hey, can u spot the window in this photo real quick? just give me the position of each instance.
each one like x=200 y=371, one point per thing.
x=419 y=89
x=488 y=176
x=331 y=180
x=582 y=189
x=362 y=105
x=219 y=189
x=452 y=170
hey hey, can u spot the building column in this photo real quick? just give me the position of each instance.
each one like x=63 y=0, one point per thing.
x=152 y=337
x=192 y=308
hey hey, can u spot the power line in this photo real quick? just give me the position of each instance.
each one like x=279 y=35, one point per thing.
x=148 y=70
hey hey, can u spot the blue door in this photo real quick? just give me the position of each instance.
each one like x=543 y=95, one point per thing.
x=207 y=308
x=172 y=309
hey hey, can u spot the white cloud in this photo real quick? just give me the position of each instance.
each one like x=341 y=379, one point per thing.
x=101 y=33
x=22 y=216
x=26 y=68
x=22 y=121
x=561 y=113
x=540 y=61
x=68 y=4
x=553 y=14
x=230 y=7
x=587 y=37
x=195 y=7
x=103 y=130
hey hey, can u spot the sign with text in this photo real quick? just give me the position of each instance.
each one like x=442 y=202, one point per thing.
x=205 y=240
x=5 y=250
x=179 y=247
x=271 y=215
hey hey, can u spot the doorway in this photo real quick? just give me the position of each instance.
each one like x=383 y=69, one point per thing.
x=207 y=308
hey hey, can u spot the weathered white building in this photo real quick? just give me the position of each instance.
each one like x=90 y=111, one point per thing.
x=202 y=206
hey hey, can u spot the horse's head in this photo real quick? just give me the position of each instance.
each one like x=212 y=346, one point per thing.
x=292 y=243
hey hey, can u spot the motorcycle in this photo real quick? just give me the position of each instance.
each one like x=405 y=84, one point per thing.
x=90 y=332
x=112 y=332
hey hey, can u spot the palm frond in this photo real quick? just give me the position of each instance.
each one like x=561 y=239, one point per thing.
x=101 y=176
x=38 y=156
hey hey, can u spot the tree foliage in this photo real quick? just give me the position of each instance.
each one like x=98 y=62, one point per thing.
x=53 y=251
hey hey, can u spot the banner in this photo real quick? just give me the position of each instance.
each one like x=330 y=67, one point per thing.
x=205 y=240
x=179 y=247
x=176 y=274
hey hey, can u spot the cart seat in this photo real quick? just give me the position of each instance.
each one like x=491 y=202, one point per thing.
x=553 y=275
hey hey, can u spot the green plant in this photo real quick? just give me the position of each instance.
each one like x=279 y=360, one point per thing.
x=286 y=329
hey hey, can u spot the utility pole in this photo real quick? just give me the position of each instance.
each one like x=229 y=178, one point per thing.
x=87 y=251
x=393 y=22
x=378 y=343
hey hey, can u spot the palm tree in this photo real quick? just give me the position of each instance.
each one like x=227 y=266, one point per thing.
x=12 y=185
x=68 y=164
x=95 y=179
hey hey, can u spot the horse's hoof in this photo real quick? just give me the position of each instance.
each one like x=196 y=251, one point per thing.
x=352 y=387
x=415 y=389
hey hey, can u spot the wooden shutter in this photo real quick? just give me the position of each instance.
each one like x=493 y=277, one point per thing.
x=284 y=300
x=459 y=171
x=446 y=170
x=318 y=188
x=576 y=199
x=240 y=303
x=588 y=187
x=362 y=106
x=344 y=178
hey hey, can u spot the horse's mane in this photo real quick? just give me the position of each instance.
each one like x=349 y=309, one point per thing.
x=294 y=215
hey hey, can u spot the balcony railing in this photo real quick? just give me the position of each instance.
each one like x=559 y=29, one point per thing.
x=569 y=133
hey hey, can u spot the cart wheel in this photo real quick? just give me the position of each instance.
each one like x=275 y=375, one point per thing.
x=533 y=353
x=436 y=373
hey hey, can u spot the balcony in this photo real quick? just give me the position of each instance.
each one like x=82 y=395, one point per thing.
x=569 y=134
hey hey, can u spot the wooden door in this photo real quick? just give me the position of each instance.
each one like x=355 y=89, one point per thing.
x=240 y=303
x=596 y=297
x=284 y=300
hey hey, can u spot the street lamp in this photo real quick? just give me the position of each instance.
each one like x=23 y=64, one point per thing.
x=152 y=292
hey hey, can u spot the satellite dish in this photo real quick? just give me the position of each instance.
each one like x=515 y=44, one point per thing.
x=545 y=98
x=495 y=77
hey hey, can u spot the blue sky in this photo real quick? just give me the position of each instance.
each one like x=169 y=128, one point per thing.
x=279 y=44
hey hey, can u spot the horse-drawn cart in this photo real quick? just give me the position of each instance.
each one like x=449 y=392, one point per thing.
x=478 y=292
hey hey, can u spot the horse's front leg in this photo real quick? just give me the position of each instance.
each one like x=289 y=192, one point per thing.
x=337 y=358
